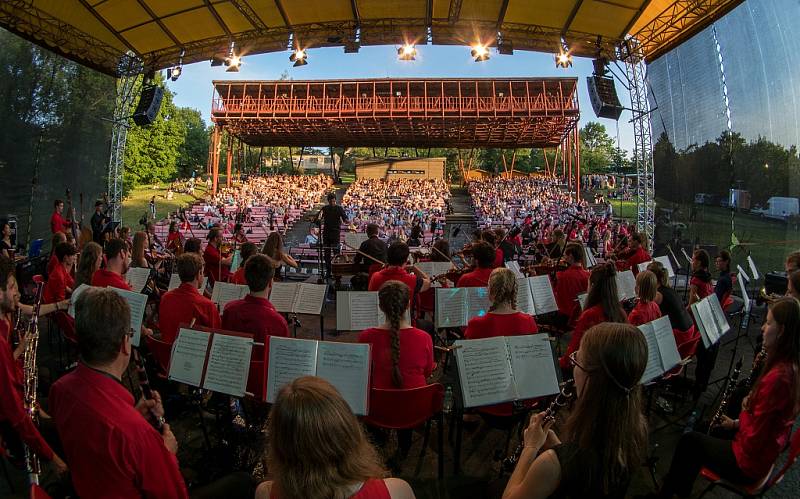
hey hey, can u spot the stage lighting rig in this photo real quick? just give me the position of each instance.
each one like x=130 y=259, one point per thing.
x=480 y=52
x=299 y=57
x=175 y=73
x=407 y=52
x=563 y=58
x=234 y=62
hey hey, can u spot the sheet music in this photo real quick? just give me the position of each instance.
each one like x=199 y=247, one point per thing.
x=477 y=302
x=643 y=266
x=74 y=298
x=310 y=298
x=626 y=285
x=357 y=310
x=354 y=239
x=664 y=260
x=225 y=292
x=188 y=356
x=582 y=300
x=175 y=281
x=654 y=368
x=670 y=357
x=434 y=268
x=289 y=359
x=137 y=303
x=704 y=318
x=753 y=269
x=514 y=267
x=533 y=365
x=719 y=315
x=137 y=278
x=544 y=300
x=451 y=307
x=524 y=297
x=743 y=273
x=228 y=364
x=745 y=297
x=236 y=260
x=282 y=296
x=485 y=371
x=346 y=366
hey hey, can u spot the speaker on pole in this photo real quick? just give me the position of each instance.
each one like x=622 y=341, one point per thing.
x=604 y=97
x=149 y=104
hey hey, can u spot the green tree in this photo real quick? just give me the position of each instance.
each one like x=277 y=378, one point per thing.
x=193 y=152
x=597 y=148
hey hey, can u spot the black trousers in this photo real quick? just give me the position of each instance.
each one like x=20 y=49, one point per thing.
x=330 y=243
x=706 y=359
x=694 y=451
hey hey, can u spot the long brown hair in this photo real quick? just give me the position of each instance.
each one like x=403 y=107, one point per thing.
x=139 y=244
x=603 y=291
x=393 y=299
x=317 y=448
x=786 y=312
x=607 y=418
x=89 y=255
x=273 y=246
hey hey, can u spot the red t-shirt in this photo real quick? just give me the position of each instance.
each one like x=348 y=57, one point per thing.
x=590 y=317
x=478 y=278
x=498 y=258
x=643 y=313
x=52 y=263
x=104 y=278
x=57 y=283
x=393 y=273
x=238 y=277
x=212 y=257
x=569 y=284
x=704 y=288
x=639 y=256
x=180 y=306
x=256 y=316
x=58 y=224
x=111 y=449
x=764 y=427
x=416 y=356
x=491 y=325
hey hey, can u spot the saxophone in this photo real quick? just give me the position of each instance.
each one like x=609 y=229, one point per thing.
x=31 y=379
x=726 y=395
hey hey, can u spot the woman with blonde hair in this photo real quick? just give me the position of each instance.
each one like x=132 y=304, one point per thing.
x=606 y=433
x=646 y=309
x=502 y=318
x=318 y=449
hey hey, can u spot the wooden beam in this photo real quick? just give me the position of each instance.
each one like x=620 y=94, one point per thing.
x=513 y=160
x=110 y=28
x=571 y=17
x=158 y=21
x=502 y=15
x=282 y=11
x=635 y=18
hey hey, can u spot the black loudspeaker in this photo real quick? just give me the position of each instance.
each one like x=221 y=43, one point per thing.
x=149 y=104
x=604 y=97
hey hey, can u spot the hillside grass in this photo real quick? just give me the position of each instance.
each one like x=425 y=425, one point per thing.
x=136 y=203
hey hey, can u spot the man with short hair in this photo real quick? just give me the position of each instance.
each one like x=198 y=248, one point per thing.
x=111 y=444
x=218 y=268
x=396 y=270
x=57 y=222
x=117 y=263
x=185 y=303
x=254 y=313
x=98 y=222
x=373 y=247
x=483 y=254
x=792 y=262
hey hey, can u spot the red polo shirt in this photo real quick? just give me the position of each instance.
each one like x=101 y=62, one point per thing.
x=491 y=325
x=393 y=273
x=256 y=316
x=569 y=284
x=111 y=449
x=104 y=278
x=57 y=283
x=416 y=356
x=180 y=306
x=58 y=224
x=639 y=256
x=478 y=278
x=590 y=317
x=643 y=313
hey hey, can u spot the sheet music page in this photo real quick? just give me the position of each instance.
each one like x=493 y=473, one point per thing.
x=188 y=356
x=582 y=300
x=228 y=364
x=704 y=317
x=719 y=315
x=236 y=261
x=357 y=310
x=282 y=296
x=354 y=240
x=745 y=297
x=753 y=269
x=310 y=298
x=670 y=357
x=451 y=307
x=74 y=298
x=544 y=300
x=137 y=302
x=289 y=359
x=653 y=369
x=742 y=273
x=664 y=260
x=524 y=298
x=477 y=302
x=533 y=365
x=137 y=277
x=485 y=371
x=346 y=366
x=643 y=266
x=626 y=285
x=514 y=267
x=224 y=292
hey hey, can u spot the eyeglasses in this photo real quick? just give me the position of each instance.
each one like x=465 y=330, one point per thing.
x=573 y=359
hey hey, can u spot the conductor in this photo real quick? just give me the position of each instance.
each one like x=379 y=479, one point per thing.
x=331 y=216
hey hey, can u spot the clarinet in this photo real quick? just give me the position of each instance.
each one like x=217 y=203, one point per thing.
x=726 y=395
x=566 y=393
x=758 y=364
x=144 y=384
x=31 y=380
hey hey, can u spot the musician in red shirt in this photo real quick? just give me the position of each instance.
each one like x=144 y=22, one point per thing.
x=570 y=283
x=484 y=256
x=503 y=319
x=217 y=267
x=254 y=313
x=117 y=262
x=646 y=309
x=184 y=304
x=60 y=282
x=638 y=246
x=58 y=238
x=765 y=422
x=57 y=222
x=396 y=258
x=246 y=251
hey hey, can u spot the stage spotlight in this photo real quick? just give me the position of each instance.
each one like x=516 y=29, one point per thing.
x=480 y=52
x=563 y=59
x=234 y=62
x=407 y=52
x=174 y=73
x=299 y=58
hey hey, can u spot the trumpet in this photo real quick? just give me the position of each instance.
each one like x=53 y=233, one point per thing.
x=768 y=298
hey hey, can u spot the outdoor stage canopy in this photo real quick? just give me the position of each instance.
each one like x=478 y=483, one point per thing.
x=165 y=33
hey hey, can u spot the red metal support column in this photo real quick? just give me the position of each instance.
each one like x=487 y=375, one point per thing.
x=215 y=141
x=229 y=160
x=578 y=165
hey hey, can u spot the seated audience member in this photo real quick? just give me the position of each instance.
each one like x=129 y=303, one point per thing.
x=602 y=305
x=402 y=355
x=246 y=251
x=483 y=255
x=60 y=282
x=90 y=261
x=502 y=319
x=116 y=252
x=606 y=434
x=373 y=247
x=671 y=305
x=762 y=430
x=186 y=304
x=317 y=448
x=570 y=283
x=396 y=270
x=254 y=313
x=646 y=309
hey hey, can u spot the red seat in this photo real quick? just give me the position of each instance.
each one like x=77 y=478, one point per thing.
x=162 y=352
x=759 y=488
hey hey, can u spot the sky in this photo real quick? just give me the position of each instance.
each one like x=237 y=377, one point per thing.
x=194 y=88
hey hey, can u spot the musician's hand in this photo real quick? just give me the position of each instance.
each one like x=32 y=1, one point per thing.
x=727 y=423
x=146 y=331
x=536 y=432
x=61 y=466
x=170 y=442
x=64 y=304
x=746 y=403
x=551 y=441
x=151 y=408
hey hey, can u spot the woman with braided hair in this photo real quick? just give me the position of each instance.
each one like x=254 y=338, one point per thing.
x=402 y=355
x=503 y=319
